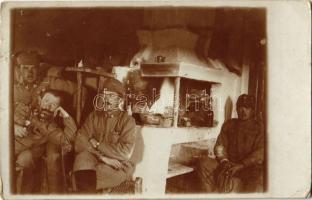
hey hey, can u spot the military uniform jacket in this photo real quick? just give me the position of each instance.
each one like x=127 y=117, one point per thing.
x=47 y=132
x=115 y=132
x=243 y=141
x=27 y=97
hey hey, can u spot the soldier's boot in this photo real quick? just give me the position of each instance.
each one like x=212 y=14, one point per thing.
x=24 y=168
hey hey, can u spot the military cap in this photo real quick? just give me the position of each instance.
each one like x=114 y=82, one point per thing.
x=246 y=101
x=114 y=85
x=28 y=58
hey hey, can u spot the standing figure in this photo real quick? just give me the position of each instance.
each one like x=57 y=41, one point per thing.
x=105 y=142
x=239 y=150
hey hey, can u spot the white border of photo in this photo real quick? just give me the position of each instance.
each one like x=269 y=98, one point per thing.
x=288 y=95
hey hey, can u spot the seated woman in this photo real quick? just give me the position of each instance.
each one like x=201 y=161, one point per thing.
x=105 y=142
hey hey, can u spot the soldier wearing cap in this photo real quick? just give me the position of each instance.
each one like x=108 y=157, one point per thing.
x=26 y=68
x=28 y=88
x=105 y=142
x=240 y=149
x=29 y=95
x=26 y=76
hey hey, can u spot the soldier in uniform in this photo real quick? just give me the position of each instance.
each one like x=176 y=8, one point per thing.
x=240 y=150
x=27 y=87
x=105 y=142
x=26 y=82
x=26 y=77
x=42 y=135
x=27 y=98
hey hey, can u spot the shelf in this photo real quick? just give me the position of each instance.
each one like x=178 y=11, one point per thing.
x=182 y=69
x=176 y=169
x=99 y=72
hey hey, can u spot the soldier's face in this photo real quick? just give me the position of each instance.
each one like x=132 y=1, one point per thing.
x=28 y=73
x=107 y=101
x=244 y=113
x=112 y=100
x=49 y=102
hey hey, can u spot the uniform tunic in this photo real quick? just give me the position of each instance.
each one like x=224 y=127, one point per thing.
x=24 y=94
x=31 y=148
x=243 y=143
x=26 y=98
x=116 y=135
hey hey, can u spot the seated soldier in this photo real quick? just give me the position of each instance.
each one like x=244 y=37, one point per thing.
x=239 y=154
x=105 y=142
x=43 y=134
x=28 y=88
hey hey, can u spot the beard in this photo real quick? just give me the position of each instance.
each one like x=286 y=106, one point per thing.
x=45 y=115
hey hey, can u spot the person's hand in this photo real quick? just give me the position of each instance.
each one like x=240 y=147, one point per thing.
x=94 y=143
x=225 y=164
x=236 y=168
x=39 y=128
x=19 y=131
x=61 y=112
x=66 y=148
x=93 y=151
x=116 y=164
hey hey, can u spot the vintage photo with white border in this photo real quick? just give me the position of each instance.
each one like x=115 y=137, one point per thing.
x=155 y=99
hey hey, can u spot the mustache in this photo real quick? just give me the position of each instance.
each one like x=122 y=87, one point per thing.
x=45 y=111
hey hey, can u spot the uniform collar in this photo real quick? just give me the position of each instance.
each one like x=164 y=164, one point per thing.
x=109 y=114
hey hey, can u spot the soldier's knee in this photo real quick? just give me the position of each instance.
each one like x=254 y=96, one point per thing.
x=85 y=161
x=207 y=164
x=83 y=155
x=25 y=159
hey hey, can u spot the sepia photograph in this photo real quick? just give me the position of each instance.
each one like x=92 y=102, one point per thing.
x=140 y=101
